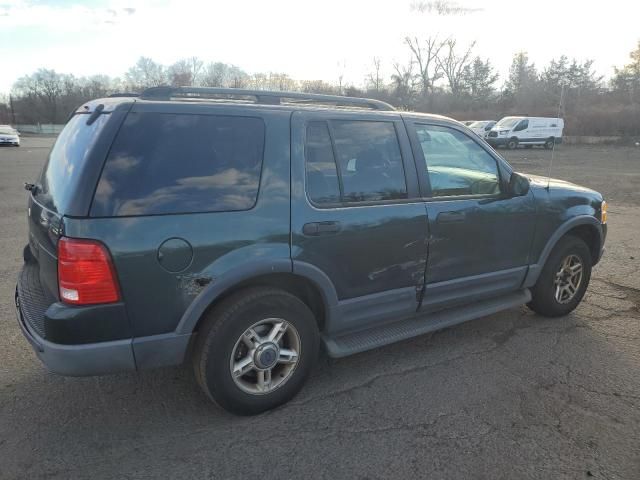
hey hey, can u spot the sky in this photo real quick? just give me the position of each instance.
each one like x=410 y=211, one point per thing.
x=319 y=39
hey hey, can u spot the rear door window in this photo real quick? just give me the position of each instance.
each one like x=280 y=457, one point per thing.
x=181 y=163
x=353 y=161
x=369 y=159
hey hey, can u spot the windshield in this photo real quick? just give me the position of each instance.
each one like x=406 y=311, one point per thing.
x=508 y=122
x=62 y=171
x=478 y=124
x=7 y=131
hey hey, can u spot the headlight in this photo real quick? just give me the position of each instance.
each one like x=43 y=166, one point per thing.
x=504 y=132
x=603 y=212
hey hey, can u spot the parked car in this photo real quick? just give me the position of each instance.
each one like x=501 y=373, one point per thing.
x=9 y=136
x=466 y=123
x=527 y=131
x=482 y=127
x=242 y=235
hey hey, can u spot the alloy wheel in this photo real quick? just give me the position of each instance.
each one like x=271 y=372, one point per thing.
x=265 y=356
x=568 y=279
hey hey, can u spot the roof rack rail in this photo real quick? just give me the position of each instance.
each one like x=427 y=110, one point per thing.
x=261 y=96
x=123 y=94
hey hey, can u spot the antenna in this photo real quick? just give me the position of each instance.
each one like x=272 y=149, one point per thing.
x=553 y=147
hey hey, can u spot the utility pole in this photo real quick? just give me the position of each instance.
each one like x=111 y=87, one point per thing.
x=13 y=113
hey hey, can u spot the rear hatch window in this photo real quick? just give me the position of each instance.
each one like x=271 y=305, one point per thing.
x=62 y=172
x=164 y=163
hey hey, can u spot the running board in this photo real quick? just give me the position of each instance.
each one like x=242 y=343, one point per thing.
x=361 y=341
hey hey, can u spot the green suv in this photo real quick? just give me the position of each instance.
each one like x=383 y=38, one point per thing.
x=242 y=230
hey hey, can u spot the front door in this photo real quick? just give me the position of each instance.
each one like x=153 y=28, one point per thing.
x=357 y=218
x=480 y=236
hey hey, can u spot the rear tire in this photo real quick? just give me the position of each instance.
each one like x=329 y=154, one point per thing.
x=255 y=350
x=564 y=278
x=549 y=144
x=512 y=144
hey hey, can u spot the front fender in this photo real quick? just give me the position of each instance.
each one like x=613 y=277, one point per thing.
x=535 y=269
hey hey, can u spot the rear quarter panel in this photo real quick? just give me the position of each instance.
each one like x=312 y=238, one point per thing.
x=221 y=242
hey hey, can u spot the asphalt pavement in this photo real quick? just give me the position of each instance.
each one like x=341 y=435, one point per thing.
x=509 y=396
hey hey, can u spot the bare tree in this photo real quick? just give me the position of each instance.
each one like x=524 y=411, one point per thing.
x=145 y=73
x=374 y=79
x=317 y=86
x=43 y=89
x=185 y=72
x=342 y=66
x=426 y=58
x=404 y=82
x=442 y=7
x=282 y=82
x=453 y=65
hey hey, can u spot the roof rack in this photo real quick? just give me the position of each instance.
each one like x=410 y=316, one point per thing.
x=265 y=97
x=123 y=94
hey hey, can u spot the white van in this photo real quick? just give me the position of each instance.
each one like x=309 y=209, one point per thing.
x=527 y=131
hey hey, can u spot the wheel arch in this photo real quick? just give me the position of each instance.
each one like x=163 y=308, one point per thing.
x=313 y=288
x=585 y=227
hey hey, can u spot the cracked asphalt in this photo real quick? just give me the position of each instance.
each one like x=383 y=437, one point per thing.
x=510 y=396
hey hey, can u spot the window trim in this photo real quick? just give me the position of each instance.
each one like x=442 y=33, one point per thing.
x=423 y=171
x=199 y=114
x=363 y=203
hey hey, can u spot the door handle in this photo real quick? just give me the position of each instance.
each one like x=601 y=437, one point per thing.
x=321 y=228
x=450 y=217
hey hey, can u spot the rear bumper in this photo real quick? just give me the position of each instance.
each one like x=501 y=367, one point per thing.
x=78 y=360
x=87 y=358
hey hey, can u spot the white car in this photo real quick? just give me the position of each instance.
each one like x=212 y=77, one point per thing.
x=482 y=127
x=9 y=136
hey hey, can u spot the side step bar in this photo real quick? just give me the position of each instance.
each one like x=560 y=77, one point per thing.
x=361 y=341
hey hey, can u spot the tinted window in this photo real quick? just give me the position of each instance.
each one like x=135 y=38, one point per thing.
x=322 y=178
x=368 y=156
x=167 y=163
x=62 y=172
x=456 y=164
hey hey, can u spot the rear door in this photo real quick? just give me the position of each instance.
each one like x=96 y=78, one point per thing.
x=480 y=236
x=356 y=213
x=539 y=129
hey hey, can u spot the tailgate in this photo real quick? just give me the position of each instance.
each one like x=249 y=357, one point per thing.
x=45 y=227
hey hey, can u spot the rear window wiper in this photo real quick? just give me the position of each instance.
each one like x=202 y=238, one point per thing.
x=95 y=114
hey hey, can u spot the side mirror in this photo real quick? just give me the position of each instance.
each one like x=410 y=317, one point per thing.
x=518 y=185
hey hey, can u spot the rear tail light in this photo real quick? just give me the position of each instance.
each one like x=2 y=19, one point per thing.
x=86 y=274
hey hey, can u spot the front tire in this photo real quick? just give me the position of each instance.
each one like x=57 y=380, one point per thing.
x=255 y=350
x=512 y=144
x=564 y=278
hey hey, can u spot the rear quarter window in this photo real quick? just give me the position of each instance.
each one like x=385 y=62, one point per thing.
x=181 y=163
